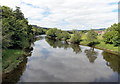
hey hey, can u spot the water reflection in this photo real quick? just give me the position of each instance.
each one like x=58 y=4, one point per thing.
x=58 y=61
x=14 y=75
x=76 y=48
x=63 y=44
x=91 y=54
x=113 y=61
x=57 y=43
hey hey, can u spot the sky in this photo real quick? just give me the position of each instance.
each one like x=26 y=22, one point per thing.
x=68 y=14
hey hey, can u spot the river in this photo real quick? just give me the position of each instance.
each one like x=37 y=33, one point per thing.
x=58 y=61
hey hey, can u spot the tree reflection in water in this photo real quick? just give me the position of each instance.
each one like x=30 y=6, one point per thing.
x=14 y=76
x=76 y=48
x=91 y=54
x=63 y=44
x=113 y=61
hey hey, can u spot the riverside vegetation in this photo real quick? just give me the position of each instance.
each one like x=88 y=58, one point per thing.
x=110 y=40
x=18 y=35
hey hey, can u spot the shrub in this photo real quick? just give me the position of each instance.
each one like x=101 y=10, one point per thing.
x=76 y=38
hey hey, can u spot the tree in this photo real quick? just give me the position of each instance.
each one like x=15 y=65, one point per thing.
x=109 y=36
x=18 y=14
x=112 y=35
x=58 y=34
x=91 y=37
x=52 y=32
x=15 y=29
x=7 y=20
x=114 y=27
x=65 y=35
x=76 y=38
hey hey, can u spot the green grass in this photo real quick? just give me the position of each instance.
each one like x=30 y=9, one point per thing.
x=84 y=37
x=100 y=38
x=102 y=44
x=11 y=58
x=107 y=46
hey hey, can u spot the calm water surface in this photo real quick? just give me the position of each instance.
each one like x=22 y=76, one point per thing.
x=56 y=61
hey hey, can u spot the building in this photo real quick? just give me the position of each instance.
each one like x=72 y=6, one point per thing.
x=101 y=32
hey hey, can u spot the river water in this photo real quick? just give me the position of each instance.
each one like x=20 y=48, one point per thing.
x=57 y=61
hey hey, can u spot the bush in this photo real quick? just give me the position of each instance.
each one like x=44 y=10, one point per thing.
x=76 y=38
x=65 y=35
x=58 y=34
x=108 y=36
x=15 y=29
x=52 y=32
x=112 y=35
x=91 y=36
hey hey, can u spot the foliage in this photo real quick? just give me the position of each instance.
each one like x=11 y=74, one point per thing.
x=109 y=36
x=52 y=32
x=76 y=38
x=91 y=36
x=58 y=34
x=91 y=54
x=38 y=31
x=15 y=29
x=114 y=27
x=65 y=35
x=76 y=48
x=113 y=61
x=112 y=35
x=60 y=44
x=11 y=57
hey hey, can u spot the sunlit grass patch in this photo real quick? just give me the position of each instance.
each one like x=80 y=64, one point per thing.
x=10 y=58
x=107 y=46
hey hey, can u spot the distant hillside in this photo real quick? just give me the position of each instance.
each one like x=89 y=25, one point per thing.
x=88 y=30
x=100 y=29
x=69 y=30
x=39 y=27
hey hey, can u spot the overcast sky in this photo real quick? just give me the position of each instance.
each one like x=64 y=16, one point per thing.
x=68 y=14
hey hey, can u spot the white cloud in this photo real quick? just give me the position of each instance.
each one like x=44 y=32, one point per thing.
x=68 y=14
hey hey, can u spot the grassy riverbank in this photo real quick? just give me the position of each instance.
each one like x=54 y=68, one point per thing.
x=11 y=58
x=102 y=45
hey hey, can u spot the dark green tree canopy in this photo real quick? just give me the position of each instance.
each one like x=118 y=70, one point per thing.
x=112 y=35
x=91 y=36
x=15 y=29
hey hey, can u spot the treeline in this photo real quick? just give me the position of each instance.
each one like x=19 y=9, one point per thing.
x=57 y=34
x=16 y=32
x=74 y=37
x=111 y=36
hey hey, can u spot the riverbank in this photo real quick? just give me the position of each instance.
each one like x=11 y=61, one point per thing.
x=110 y=48
x=50 y=60
x=106 y=47
x=11 y=58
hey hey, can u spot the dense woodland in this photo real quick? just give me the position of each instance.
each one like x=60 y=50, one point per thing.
x=16 y=31
x=17 y=36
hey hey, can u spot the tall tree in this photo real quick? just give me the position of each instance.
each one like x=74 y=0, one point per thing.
x=112 y=35
x=91 y=36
